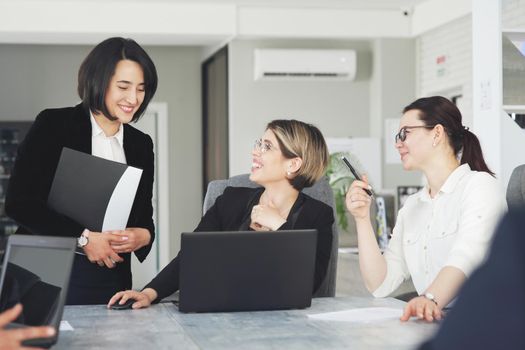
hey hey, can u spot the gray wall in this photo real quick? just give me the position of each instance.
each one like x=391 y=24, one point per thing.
x=392 y=88
x=35 y=77
x=339 y=109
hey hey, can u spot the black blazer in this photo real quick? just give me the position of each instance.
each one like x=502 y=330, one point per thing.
x=490 y=309
x=31 y=179
x=232 y=211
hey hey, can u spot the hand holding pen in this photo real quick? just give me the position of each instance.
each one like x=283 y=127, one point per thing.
x=359 y=196
x=368 y=189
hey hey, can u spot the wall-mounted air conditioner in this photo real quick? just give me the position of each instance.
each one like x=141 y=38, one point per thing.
x=294 y=64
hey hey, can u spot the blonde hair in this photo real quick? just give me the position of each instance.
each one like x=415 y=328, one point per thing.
x=298 y=139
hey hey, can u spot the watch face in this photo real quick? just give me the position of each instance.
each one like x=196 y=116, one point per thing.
x=82 y=241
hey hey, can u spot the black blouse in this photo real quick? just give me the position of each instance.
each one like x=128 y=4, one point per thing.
x=232 y=212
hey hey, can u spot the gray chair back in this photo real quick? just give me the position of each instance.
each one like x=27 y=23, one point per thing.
x=516 y=188
x=321 y=190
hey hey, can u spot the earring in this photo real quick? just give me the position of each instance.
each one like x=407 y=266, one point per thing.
x=434 y=144
x=288 y=173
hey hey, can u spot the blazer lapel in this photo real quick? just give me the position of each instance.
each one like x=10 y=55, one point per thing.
x=80 y=131
x=129 y=147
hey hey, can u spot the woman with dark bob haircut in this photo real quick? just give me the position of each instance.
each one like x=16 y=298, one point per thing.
x=442 y=232
x=290 y=155
x=116 y=82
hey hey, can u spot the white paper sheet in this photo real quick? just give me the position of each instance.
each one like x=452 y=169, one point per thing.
x=66 y=326
x=361 y=315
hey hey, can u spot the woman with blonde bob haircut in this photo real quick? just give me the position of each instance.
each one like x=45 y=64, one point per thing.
x=290 y=155
x=297 y=139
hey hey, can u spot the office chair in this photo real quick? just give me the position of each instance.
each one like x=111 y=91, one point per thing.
x=516 y=188
x=321 y=190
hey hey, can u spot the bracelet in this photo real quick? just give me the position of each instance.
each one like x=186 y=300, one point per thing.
x=430 y=297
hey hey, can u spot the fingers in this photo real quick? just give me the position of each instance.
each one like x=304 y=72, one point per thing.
x=115 y=297
x=10 y=315
x=109 y=263
x=357 y=202
x=115 y=257
x=141 y=303
x=423 y=309
x=360 y=184
x=359 y=198
x=438 y=315
x=33 y=332
x=420 y=308
x=115 y=237
x=123 y=248
x=128 y=294
x=429 y=311
x=407 y=313
x=142 y=299
x=358 y=188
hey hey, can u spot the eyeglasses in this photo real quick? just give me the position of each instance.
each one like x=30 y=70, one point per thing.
x=262 y=146
x=402 y=134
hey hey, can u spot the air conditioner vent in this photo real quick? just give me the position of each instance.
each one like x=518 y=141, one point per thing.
x=296 y=64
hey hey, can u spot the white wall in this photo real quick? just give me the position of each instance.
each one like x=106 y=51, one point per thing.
x=339 y=109
x=513 y=14
x=454 y=41
x=392 y=87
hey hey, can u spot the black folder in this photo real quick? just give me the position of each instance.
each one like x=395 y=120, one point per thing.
x=95 y=192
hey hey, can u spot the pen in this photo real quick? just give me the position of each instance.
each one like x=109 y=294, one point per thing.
x=356 y=175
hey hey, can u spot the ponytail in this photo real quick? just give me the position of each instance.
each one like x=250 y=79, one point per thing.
x=472 y=153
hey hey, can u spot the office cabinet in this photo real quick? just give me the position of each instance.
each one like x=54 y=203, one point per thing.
x=11 y=134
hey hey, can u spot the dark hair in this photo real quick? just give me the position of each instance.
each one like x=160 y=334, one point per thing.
x=299 y=139
x=98 y=68
x=439 y=110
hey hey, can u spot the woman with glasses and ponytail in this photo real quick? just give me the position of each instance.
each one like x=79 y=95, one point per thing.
x=290 y=156
x=443 y=231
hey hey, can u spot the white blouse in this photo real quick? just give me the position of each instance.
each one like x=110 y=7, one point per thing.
x=452 y=229
x=107 y=147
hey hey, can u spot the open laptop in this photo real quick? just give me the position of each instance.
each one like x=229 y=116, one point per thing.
x=35 y=273
x=246 y=271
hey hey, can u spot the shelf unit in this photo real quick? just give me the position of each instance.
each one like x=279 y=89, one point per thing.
x=11 y=134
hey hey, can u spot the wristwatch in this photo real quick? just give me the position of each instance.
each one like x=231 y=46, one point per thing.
x=430 y=297
x=83 y=240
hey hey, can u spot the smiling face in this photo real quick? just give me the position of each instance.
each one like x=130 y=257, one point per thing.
x=416 y=150
x=125 y=92
x=268 y=163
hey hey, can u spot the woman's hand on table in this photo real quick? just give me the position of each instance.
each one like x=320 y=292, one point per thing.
x=143 y=299
x=422 y=308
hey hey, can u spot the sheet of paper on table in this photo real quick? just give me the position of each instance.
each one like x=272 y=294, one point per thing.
x=65 y=326
x=361 y=315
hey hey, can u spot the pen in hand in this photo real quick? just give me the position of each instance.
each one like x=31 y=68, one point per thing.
x=356 y=175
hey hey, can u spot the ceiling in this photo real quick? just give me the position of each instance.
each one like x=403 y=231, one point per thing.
x=351 y=4
x=211 y=23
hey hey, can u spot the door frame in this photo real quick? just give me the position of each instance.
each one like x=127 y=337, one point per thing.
x=162 y=176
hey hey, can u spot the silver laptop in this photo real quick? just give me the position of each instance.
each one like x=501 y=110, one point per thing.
x=35 y=273
x=246 y=271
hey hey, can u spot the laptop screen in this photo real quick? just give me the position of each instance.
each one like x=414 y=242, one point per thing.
x=35 y=273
